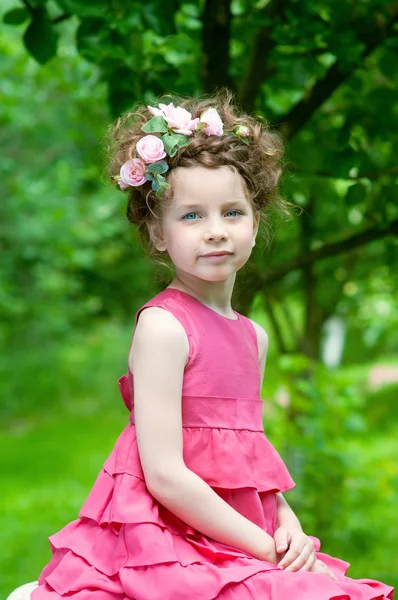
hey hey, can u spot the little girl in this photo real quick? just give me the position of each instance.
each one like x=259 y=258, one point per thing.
x=189 y=504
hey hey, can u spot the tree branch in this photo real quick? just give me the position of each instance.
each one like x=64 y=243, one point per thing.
x=337 y=74
x=289 y=320
x=257 y=67
x=216 y=35
x=272 y=68
x=277 y=273
x=269 y=306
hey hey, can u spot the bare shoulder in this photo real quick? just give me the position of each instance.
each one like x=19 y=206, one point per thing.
x=262 y=339
x=157 y=360
x=160 y=322
x=159 y=331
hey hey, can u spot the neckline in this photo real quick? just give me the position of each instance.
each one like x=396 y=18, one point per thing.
x=205 y=305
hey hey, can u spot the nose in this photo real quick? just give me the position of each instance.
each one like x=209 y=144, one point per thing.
x=216 y=230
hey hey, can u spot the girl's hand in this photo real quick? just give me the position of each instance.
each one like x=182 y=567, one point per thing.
x=320 y=567
x=299 y=548
x=285 y=539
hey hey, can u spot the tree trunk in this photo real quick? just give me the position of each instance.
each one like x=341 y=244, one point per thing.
x=216 y=35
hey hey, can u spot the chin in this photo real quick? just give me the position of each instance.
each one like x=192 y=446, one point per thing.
x=214 y=276
x=217 y=279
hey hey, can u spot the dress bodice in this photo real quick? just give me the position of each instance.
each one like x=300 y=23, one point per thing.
x=221 y=379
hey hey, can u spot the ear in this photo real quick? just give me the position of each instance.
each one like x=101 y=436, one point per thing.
x=256 y=223
x=156 y=235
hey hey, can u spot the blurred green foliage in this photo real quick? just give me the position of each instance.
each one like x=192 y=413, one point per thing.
x=73 y=273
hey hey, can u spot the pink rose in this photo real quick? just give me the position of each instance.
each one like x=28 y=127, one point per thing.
x=132 y=173
x=214 y=125
x=150 y=148
x=242 y=130
x=178 y=119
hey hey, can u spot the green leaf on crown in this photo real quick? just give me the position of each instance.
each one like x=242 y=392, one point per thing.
x=244 y=139
x=173 y=141
x=155 y=185
x=160 y=190
x=158 y=167
x=159 y=184
x=155 y=125
x=163 y=185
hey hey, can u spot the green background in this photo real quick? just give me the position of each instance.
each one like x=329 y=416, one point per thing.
x=73 y=273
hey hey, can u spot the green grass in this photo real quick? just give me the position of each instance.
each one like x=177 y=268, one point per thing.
x=47 y=468
x=61 y=415
x=373 y=519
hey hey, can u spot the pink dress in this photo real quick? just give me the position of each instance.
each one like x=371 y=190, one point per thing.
x=127 y=546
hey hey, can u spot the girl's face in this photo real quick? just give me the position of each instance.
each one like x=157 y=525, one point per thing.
x=209 y=213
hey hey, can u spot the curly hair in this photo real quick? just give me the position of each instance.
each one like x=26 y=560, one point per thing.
x=259 y=162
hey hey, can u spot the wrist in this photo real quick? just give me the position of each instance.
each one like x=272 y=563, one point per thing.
x=285 y=516
x=268 y=551
x=290 y=524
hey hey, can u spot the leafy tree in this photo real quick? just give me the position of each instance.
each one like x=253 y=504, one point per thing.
x=324 y=74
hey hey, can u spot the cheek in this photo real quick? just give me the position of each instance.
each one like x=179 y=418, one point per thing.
x=184 y=236
x=246 y=235
x=179 y=240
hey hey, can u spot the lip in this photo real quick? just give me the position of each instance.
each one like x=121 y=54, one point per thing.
x=217 y=257
x=218 y=253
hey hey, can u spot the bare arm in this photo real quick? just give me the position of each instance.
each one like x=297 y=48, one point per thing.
x=157 y=359
x=285 y=515
x=262 y=345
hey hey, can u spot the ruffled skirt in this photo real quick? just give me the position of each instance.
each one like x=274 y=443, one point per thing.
x=127 y=546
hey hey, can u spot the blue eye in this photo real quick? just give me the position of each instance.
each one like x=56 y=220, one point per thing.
x=188 y=216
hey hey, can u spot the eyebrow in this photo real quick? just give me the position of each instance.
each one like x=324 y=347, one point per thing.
x=225 y=204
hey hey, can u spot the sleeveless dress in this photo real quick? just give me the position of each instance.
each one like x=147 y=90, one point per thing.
x=127 y=546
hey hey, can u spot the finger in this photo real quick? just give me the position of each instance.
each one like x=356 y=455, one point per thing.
x=299 y=562
x=290 y=556
x=309 y=564
x=327 y=571
x=281 y=539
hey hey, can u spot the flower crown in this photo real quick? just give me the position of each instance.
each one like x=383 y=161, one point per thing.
x=175 y=124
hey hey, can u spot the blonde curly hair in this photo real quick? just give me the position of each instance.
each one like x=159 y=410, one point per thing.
x=258 y=162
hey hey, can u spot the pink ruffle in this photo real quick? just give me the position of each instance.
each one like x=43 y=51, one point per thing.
x=206 y=444
x=145 y=562
x=243 y=459
x=120 y=495
x=260 y=466
x=127 y=546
